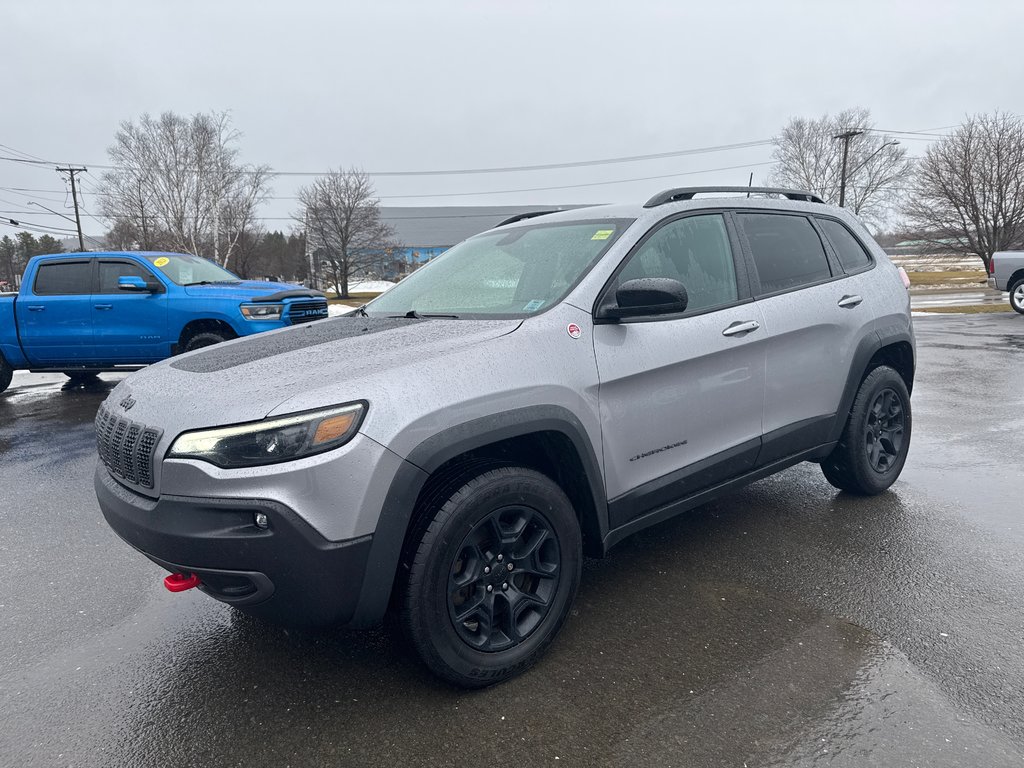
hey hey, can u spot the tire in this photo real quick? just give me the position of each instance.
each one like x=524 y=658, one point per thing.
x=1017 y=296
x=201 y=340
x=474 y=613
x=6 y=374
x=876 y=439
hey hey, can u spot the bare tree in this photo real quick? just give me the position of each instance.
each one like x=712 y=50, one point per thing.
x=179 y=181
x=343 y=224
x=810 y=157
x=968 y=194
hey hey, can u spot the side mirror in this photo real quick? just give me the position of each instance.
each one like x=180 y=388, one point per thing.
x=646 y=297
x=137 y=284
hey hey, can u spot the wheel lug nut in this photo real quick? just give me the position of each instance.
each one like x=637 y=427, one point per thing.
x=490 y=588
x=500 y=558
x=487 y=569
x=510 y=566
x=505 y=585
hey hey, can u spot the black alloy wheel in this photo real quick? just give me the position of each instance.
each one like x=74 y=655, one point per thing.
x=884 y=434
x=489 y=573
x=503 y=578
x=875 y=441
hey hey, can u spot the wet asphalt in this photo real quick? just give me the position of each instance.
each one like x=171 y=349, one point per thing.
x=785 y=625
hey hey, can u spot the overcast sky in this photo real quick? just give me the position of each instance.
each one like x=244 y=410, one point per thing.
x=405 y=86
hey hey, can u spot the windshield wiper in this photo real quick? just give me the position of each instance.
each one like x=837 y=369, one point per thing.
x=412 y=314
x=198 y=282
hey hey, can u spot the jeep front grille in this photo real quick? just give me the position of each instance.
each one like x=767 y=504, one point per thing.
x=126 y=447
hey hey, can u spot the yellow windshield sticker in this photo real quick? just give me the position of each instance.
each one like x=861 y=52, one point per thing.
x=163 y=261
x=603 y=234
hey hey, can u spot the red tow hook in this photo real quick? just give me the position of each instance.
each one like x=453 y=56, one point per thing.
x=179 y=582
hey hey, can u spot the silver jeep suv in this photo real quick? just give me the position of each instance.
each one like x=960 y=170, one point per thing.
x=539 y=392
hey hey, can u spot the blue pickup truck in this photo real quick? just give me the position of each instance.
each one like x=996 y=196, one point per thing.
x=84 y=313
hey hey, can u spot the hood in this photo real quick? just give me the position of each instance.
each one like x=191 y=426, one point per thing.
x=327 y=361
x=246 y=289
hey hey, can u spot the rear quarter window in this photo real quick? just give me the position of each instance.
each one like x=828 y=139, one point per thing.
x=786 y=249
x=848 y=248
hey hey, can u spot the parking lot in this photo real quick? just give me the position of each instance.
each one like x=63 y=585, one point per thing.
x=787 y=624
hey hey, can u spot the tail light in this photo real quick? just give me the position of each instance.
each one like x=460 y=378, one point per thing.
x=991 y=266
x=904 y=277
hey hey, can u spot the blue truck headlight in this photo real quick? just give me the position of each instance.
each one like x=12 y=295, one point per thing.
x=262 y=311
x=273 y=440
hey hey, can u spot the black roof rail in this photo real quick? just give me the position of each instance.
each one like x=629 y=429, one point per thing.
x=687 y=193
x=524 y=216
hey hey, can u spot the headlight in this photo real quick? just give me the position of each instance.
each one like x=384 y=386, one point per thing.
x=262 y=311
x=272 y=440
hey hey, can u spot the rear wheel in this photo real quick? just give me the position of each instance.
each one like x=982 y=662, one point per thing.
x=1017 y=296
x=6 y=374
x=493 y=577
x=873 y=447
x=207 y=339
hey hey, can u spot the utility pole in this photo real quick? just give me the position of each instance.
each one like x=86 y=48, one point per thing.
x=846 y=151
x=71 y=171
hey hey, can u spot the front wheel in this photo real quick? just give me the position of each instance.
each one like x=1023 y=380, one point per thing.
x=493 y=577
x=1017 y=296
x=873 y=447
x=201 y=340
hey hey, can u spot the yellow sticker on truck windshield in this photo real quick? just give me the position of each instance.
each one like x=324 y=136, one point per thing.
x=163 y=261
x=603 y=234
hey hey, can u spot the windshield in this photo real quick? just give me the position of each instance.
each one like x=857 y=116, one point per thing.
x=188 y=270
x=507 y=273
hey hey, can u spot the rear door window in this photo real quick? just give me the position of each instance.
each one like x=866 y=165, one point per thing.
x=851 y=253
x=787 y=251
x=67 y=278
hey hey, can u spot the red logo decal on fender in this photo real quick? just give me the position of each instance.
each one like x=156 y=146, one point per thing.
x=574 y=330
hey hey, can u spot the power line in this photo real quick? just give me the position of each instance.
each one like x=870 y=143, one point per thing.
x=503 y=169
x=16 y=224
x=486 y=192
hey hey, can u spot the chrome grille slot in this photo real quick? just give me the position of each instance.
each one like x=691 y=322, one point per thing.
x=126 y=448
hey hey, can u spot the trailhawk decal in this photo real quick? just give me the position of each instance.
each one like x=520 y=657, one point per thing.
x=645 y=454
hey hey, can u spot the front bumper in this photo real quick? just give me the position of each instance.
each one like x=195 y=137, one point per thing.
x=287 y=573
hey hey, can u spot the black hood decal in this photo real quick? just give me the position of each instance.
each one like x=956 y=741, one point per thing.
x=258 y=347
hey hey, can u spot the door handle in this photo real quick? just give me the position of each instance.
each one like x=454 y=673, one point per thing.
x=104 y=306
x=849 y=302
x=740 y=327
x=35 y=307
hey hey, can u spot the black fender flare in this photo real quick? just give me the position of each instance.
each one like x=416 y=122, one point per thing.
x=433 y=453
x=866 y=350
